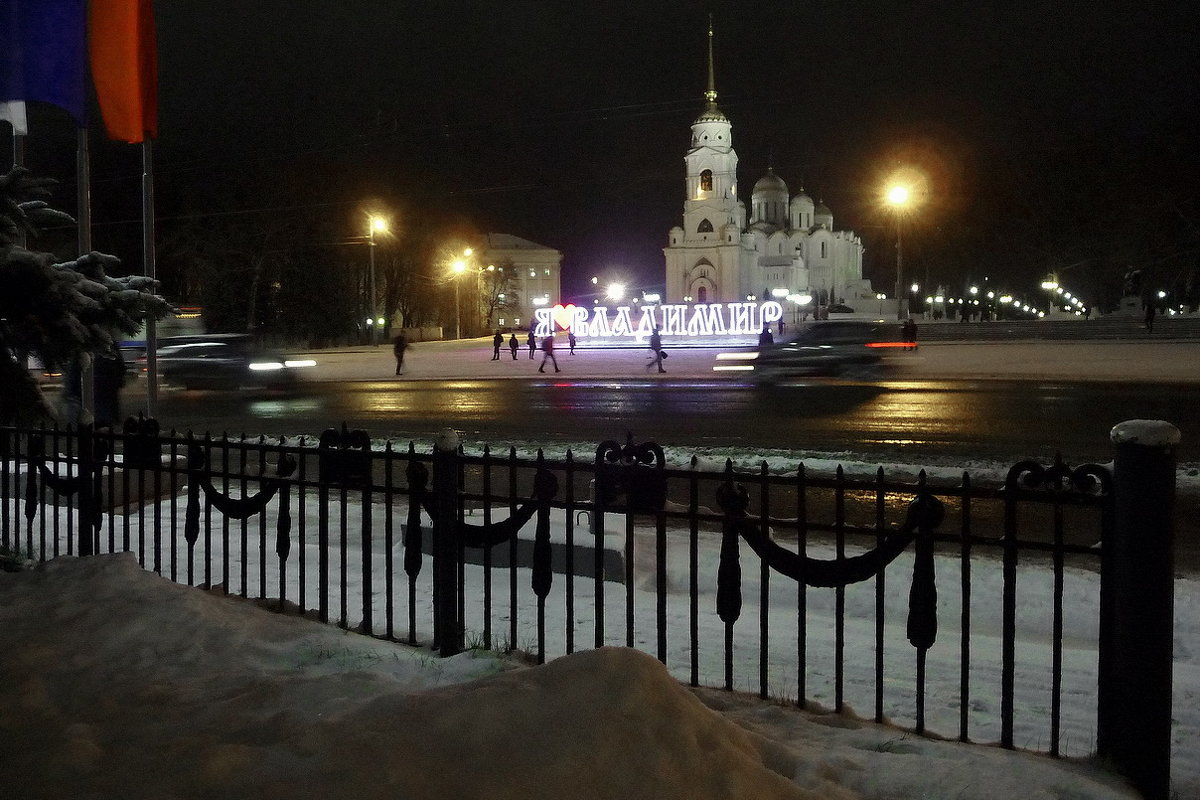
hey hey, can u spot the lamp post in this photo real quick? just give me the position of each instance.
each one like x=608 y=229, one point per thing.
x=898 y=197
x=374 y=224
x=459 y=266
x=1051 y=287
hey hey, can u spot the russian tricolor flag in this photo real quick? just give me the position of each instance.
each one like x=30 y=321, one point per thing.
x=42 y=57
x=44 y=51
x=124 y=60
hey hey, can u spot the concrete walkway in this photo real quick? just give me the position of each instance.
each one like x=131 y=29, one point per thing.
x=1170 y=361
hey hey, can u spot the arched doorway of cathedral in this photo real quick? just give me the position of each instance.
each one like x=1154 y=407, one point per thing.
x=701 y=289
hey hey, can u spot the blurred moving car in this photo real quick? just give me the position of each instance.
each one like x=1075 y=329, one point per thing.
x=852 y=349
x=224 y=361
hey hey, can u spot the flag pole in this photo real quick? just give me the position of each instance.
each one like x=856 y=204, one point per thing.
x=83 y=180
x=148 y=261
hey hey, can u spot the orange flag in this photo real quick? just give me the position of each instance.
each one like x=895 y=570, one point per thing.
x=121 y=44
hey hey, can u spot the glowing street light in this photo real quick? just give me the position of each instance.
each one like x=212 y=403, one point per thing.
x=458 y=266
x=375 y=224
x=1052 y=287
x=898 y=197
x=616 y=291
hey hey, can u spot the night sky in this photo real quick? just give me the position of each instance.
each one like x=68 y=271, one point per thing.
x=567 y=123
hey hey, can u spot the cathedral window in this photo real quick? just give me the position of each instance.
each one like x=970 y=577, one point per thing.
x=704 y=227
x=706 y=181
x=824 y=249
x=702 y=294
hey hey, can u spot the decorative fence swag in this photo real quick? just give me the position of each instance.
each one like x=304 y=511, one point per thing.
x=648 y=527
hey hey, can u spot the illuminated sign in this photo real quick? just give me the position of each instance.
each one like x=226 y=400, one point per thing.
x=702 y=319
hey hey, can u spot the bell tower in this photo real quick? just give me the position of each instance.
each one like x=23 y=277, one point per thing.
x=703 y=254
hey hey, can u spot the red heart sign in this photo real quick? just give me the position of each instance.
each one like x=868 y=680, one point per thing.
x=564 y=316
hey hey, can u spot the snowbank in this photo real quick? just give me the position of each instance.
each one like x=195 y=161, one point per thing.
x=117 y=683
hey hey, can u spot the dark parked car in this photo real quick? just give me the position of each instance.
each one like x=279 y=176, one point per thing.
x=854 y=349
x=225 y=361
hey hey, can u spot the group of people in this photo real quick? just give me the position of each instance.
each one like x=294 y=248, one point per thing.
x=657 y=354
x=547 y=346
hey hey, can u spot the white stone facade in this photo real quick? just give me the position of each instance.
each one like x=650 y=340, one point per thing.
x=537 y=275
x=788 y=246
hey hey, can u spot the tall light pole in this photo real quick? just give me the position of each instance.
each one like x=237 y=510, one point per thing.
x=374 y=224
x=459 y=266
x=898 y=198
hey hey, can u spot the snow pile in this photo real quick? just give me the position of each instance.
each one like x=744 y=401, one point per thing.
x=117 y=683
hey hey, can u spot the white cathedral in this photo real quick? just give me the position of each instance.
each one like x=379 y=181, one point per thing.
x=789 y=247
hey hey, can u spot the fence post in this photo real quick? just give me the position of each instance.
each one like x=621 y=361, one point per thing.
x=1137 y=608
x=87 y=503
x=447 y=627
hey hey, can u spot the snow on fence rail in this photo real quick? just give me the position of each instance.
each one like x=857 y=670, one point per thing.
x=910 y=602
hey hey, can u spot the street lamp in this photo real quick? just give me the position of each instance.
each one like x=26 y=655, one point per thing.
x=374 y=224
x=898 y=197
x=880 y=296
x=1050 y=284
x=459 y=266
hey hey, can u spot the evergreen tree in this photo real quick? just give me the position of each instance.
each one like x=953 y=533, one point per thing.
x=55 y=312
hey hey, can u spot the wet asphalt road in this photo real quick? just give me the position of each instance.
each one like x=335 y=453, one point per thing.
x=902 y=420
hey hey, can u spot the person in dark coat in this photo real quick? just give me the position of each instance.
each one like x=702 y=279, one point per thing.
x=571 y=342
x=656 y=351
x=532 y=340
x=399 y=345
x=497 y=343
x=548 y=353
x=514 y=346
x=765 y=337
x=908 y=331
x=108 y=376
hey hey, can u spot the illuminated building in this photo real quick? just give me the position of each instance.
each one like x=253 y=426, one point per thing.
x=788 y=244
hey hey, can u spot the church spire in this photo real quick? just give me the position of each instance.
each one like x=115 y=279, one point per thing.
x=711 y=93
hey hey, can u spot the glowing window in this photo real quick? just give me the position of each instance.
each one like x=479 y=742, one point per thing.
x=706 y=180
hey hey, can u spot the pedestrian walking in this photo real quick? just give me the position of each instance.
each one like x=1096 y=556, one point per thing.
x=765 y=337
x=514 y=346
x=548 y=353
x=781 y=326
x=656 y=352
x=571 y=342
x=908 y=331
x=497 y=343
x=109 y=374
x=1151 y=310
x=399 y=345
x=532 y=340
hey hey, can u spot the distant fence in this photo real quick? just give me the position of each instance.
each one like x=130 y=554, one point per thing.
x=553 y=556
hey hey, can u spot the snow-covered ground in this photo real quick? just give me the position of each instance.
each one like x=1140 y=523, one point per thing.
x=1140 y=361
x=149 y=651
x=119 y=684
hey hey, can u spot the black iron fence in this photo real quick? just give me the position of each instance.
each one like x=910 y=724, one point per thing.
x=771 y=581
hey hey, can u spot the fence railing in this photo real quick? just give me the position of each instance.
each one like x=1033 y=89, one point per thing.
x=551 y=556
